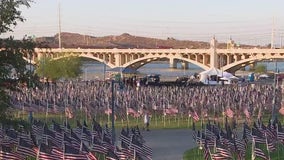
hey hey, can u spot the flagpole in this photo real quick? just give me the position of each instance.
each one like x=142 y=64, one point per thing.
x=37 y=155
x=277 y=138
x=266 y=141
x=252 y=149
x=46 y=113
x=188 y=119
x=108 y=115
x=127 y=116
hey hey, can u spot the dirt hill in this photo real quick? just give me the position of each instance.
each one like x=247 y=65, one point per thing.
x=125 y=40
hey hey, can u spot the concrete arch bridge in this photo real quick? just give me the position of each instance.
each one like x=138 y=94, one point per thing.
x=230 y=60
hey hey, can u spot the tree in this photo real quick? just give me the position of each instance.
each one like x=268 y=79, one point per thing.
x=260 y=68
x=13 y=71
x=10 y=13
x=64 y=68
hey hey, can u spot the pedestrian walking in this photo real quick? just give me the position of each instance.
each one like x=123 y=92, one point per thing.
x=146 y=121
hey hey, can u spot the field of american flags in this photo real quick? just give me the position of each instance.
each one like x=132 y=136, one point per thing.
x=170 y=107
x=57 y=141
x=258 y=140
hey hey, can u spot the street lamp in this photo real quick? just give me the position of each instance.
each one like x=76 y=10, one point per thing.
x=112 y=106
x=274 y=93
x=105 y=62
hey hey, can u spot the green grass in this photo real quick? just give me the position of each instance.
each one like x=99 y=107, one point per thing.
x=156 y=122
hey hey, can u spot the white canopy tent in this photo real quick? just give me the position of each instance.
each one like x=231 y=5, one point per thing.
x=206 y=76
x=225 y=74
x=211 y=76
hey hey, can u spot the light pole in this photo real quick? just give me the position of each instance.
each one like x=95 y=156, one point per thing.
x=112 y=107
x=274 y=94
x=105 y=62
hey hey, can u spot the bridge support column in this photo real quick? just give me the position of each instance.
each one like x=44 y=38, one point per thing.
x=213 y=53
x=39 y=56
x=117 y=58
x=184 y=65
x=173 y=63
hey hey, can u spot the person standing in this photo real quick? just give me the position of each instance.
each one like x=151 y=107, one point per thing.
x=146 y=121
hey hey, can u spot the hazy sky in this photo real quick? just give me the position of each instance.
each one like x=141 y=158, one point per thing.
x=246 y=21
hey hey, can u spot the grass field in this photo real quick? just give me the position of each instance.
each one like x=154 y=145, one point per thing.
x=156 y=122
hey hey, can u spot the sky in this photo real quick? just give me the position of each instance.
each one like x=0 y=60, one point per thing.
x=245 y=21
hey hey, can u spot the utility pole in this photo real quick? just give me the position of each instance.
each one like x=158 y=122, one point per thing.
x=280 y=41
x=272 y=34
x=59 y=25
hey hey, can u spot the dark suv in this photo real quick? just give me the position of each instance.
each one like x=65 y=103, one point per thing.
x=151 y=79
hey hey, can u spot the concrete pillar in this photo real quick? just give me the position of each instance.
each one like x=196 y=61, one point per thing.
x=39 y=55
x=235 y=58
x=213 y=53
x=117 y=60
x=173 y=63
x=184 y=65
x=204 y=59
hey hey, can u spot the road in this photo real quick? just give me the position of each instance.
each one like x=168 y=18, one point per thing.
x=169 y=144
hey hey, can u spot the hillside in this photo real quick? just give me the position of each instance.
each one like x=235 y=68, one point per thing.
x=125 y=40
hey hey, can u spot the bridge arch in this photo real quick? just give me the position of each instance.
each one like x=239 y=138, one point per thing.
x=147 y=59
x=232 y=67
x=86 y=56
x=97 y=59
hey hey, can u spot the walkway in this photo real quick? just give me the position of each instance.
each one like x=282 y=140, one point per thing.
x=169 y=144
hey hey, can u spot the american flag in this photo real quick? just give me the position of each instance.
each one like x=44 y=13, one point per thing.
x=229 y=113
x=221 y=152
x=98 y=147
x=257 y=136
x=193 y=114
x=136 y=146
x=111 y=155
x=26 y=149
x=72 y=153
x=281 y=111
x=270 y=146
x=91 y=156
x=246 y=132
x=131 y=111
x=257 y=152
x=240 y=147
x=108 y=111
x=246 y=112
x=68 y=112
x=206 y=151
x=7 y=153
x=47 y=152
x=121 y=155
x=86 y=135
x=172 y=111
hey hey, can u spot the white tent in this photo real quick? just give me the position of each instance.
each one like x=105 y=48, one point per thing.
x=225 y=74
x=263 y=76
x=211 y=71
x=205 y=76
x=210 y=76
